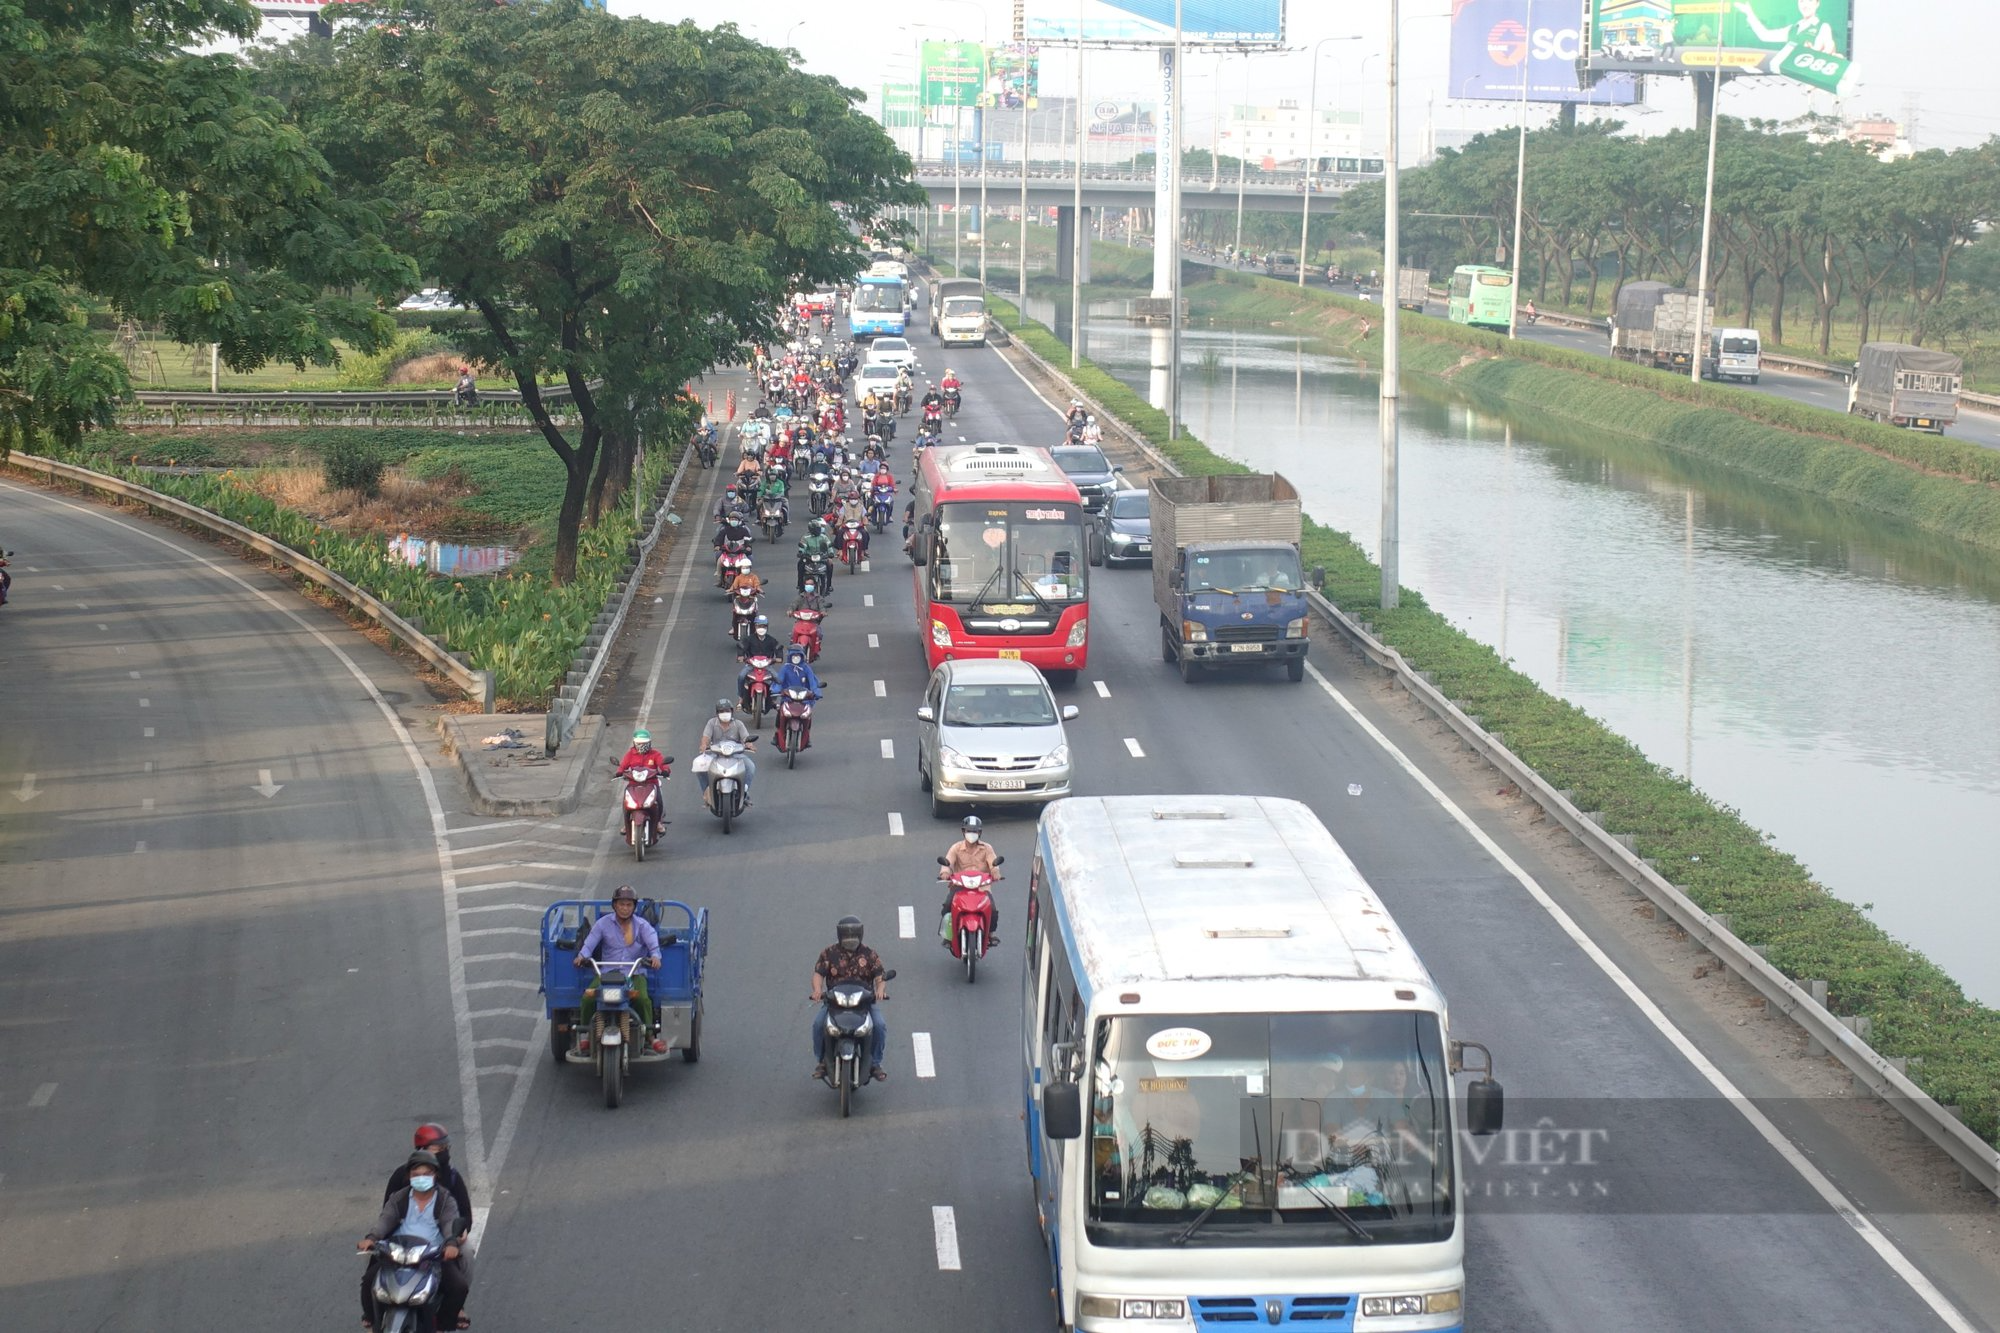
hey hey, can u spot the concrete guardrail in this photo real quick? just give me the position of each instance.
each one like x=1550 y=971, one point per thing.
x=475 y=685
x=1842 y=1037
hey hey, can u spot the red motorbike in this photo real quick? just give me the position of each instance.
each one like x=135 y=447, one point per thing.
x=795 y=724
x=742 y=610
x=734 y=555
x=973 y=917
x=806 y=631
x=934 y=414
x=757 y=689
x=642 y=807
x=851 y=549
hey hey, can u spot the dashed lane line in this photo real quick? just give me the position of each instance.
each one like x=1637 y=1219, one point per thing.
x=1103 y=690
x=944 y=1227
x=921 y=1045
x=888 y=748
x=874 y=641
x=906 y=923
x=881 y=689
x=868 y=599
x=42 y=1096
x=1132 y=748
x=895 y=824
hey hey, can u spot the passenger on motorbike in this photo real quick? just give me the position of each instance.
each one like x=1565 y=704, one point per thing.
x=643 y=755
x=1093 y=433
x=853 y=511
x=419 y=1209
x=816 y=547
x=848 y=959
x=455 y=1281
x=746 y=581
x=623 y=937
x=726 y=726
x=971 y=854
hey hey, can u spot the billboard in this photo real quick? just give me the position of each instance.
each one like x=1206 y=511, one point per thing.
x=1808 y=40
x=1013 y=78
x=951 y=74
x=899 y=106
x=1149 y=22
x=1492 y=49
x=1123 y=122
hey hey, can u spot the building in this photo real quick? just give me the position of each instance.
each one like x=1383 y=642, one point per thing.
x=1275 y=136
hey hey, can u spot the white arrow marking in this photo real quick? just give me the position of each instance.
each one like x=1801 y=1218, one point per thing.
x=28 y=790
x=265 y=785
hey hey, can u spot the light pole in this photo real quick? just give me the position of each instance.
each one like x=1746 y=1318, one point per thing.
x=1076 y=213
x=1242 y=155
x=1707 y=219
x=1173 y=237
x=789 y=31
x=1312 y=115
x=1392 y=348
x=1521 y=180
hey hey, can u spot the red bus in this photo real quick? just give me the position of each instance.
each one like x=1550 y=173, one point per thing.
x=998 y=545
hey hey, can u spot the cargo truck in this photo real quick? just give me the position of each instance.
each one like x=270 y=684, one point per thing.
x=1655 y=325
x=1226 y=574
x=1413 y=288
x=958 y=312
x=1908 y=386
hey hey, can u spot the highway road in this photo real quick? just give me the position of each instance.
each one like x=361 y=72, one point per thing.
x=225 y=1110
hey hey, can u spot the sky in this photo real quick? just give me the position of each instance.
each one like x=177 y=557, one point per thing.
x=1933 y=55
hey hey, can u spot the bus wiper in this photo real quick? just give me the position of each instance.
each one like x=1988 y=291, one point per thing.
x=1346 y=1218
x=1033 y=591
x=979 y=597
x=1195 y=1223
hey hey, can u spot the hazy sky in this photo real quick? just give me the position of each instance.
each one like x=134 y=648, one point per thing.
x=1933 y=54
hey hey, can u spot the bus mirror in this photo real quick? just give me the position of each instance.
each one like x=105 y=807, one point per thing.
x=1485 y=1107
x=1062 y=1110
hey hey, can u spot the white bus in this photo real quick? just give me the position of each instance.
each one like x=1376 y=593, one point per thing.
x=1237 y=1076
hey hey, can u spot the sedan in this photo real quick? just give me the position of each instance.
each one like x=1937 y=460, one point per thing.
x=1123 y=530
x=989 y=733
x=878 y=376
x=1089 y=471
x=892 y=352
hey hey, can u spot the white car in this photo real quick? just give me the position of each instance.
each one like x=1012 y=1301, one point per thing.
x=430 y=298
x=892 y=352
x=990 y=733
x=879 y=376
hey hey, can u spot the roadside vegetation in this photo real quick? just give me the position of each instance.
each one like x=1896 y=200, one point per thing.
x=1918 y=1011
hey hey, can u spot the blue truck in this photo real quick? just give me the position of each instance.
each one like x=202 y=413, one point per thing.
x=1226 y=573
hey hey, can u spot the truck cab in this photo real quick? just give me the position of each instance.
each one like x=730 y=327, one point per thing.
x=1237 y=604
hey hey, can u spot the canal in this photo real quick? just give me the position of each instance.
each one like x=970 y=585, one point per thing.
x=1830 y=673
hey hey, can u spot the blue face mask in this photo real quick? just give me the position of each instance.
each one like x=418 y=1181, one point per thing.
x=422 y=1184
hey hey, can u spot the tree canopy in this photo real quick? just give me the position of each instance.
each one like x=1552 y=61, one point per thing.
x=158 y=182
x=624 y=203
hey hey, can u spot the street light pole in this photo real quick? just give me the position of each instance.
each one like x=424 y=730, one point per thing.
x=1707 y=219
x=1391 y=333
x=1076 y=213
x=1312 y=117
x=1173 y=237
x=1520 y=185
x=1242 y=155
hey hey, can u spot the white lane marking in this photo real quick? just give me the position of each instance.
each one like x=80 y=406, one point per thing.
x=149 y=765
x=881 y=689
x=504 y=907
x=57 y=586
x=145 y=703
x=509 y=823
x=83 y=606
x=500 y=957
x=265 y=785
x=495 y=930
x=1030 y=386
x=524 y=842
x=501 y=985
x=1848 y=1211
x=895 y=824
x=462 y=890
x=945 y=1227
x=926 y=1063
x=502 y=867
x=505 y=1013
x=512 y=1043
x=874 y=641
x=133 y=674
x=149 y=733
x=864 y=570
x=868 y=599
x=28 y=791
x=42 y=1096
x=1132 y=748
x=101 y=625
x=961 y=439
x=524 y=1069
x=888 y=748
x=1103 y=690
x=140 y=847
x=906 y=923
x=666 y=634
x=146 y=804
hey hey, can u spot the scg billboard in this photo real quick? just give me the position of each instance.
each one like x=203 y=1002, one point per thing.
x=1492 y=48
x=1808 y=40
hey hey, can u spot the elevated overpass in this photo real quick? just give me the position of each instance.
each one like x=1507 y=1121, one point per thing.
x=1053 y=185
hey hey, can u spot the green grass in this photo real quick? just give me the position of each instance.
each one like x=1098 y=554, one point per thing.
x=1707 y=849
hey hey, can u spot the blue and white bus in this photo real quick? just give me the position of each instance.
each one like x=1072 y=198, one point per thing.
x=1238 y=1077
x=878 y=306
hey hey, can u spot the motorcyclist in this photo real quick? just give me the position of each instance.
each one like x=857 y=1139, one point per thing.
x=1077 y=414
x=623 y=937
x=903 y=388
x=760 y=643
x=932 y=399
x=422 y=1209
x=951 y=384
x=848 y=959
x=455 y=1281
x=809 y=598
x=971 y=854
x=746 y=581
x=1530 y=312
x=728 y=504
x=816 y=547
x=643 y=755
x=748 y=470
x=852 y=510
x=725 y=726
x=1092 y=432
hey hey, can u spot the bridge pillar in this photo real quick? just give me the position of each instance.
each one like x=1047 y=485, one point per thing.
x=1066 y=240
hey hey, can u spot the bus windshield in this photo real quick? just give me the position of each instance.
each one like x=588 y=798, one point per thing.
x=1335 y=1124
x=1007 y=551
x=878 y=296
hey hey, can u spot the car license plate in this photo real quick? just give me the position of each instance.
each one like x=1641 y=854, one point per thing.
x=1011 y=654
x=1144 y=548
x=1246 y=647
x=1006 y=784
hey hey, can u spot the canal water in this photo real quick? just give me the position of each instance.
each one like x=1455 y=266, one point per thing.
x=1833 y=674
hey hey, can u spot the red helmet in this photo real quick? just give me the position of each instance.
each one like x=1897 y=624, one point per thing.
x=432 y=1136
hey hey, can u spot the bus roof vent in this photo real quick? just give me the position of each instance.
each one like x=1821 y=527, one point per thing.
x=1200 y=812
x=1248 y=932
x=1214 y=860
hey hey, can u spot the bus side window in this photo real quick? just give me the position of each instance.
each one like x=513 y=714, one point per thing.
x=1035 y=917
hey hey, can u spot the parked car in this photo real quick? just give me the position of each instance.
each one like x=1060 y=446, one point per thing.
x=1089 y=471
x=887 y=351
x=1122 y=531
x=989 y=733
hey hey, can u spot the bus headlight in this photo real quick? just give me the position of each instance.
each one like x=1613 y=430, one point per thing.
x=940 y=634
x=1436 y=1302
x=1076 y=633
x=1131 y=1307
x=1296 y=629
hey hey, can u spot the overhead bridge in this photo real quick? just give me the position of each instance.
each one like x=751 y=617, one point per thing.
x=1053 y=185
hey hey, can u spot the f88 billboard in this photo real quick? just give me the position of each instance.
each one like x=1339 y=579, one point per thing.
x=1492 y=50
x=1808 y=40
x=1257 y=22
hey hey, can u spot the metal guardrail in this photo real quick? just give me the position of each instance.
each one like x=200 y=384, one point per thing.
x=350 y=398
x=477 y=685
x=1783 y=996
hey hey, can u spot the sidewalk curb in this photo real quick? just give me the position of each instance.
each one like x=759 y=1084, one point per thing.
x=460 y=732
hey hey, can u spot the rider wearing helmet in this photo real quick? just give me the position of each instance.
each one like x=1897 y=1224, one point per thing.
x=421 y=1208
x=643 y=755
x=725 y=726
x=815 y=548
x=746 y=581
x=848 y=959
x=434 y=1140
x=622 y=937
x=809 y=598
x=760 y=643
x=971 y=854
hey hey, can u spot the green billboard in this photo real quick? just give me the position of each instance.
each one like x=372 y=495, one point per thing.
x=1808 y=40
x=900 y=109
x=951 y=74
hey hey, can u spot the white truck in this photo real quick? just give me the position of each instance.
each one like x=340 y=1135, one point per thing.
x=958 y=312
x=1413 y=288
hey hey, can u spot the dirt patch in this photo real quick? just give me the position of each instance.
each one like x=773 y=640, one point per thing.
x=406 y=504
x=439 y=366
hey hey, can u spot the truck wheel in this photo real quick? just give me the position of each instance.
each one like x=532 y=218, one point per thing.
x=1189 y=669
x=1295 y=669
x=1166 y=643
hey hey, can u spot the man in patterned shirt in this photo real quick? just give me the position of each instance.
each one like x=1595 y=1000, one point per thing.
x=848 y=959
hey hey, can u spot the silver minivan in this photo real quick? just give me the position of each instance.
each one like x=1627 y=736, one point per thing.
x=990 y=733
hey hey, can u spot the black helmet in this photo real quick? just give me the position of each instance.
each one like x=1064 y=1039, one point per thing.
x=847 y=929
x=725 y=705
x=971 y=824
x=421 y=1158
x=625 y=893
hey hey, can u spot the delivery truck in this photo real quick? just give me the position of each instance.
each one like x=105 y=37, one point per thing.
x=1916 y=387
x=1656 y=325
x=958 y=312
x=1226 y=573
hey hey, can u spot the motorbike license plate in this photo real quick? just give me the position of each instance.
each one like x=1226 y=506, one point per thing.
x=1006 y=784
x=1011 y=654
x=1246 y=647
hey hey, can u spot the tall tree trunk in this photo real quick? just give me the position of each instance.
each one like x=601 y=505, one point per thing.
x=1867 y=300
x=606 y=464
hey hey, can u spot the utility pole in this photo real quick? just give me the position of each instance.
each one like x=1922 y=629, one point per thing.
x=1076 y=212
x=1173 y=235
x=1391 y=333
x=1520 y=188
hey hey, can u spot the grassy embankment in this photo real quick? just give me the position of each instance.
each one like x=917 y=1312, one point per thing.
x=1918 y=1011
x=502 y=487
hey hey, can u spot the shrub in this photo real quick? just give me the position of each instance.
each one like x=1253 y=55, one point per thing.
x=354 y=465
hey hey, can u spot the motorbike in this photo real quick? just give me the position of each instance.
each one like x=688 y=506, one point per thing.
x=728 y=766
x=772 y=513
x=902 y=401
x=973 y=914
x=742 y=610
x=6 y=579
x=881 y=507
x=1074 y=435
x=885 y=427
x=806 y=631
x=642 y=807
x=407 y=1282
x=933 y=417
x=849 y=1015
x=818 y=488
x=705 y=450
x=820 y=572
x=731 y=558
x=952 y=399
x=795 y=709
x=757 y=689
x=850 y=546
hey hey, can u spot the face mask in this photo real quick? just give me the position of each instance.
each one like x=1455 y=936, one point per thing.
x=1360 y=1090
x=972 y=837
x=422 y=1184
x=724 y=717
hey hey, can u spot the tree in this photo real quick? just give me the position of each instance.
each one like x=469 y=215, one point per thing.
x=625 y=203
x=160 y=183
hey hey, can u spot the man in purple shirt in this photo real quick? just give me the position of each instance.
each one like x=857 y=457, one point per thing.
x=623 y=937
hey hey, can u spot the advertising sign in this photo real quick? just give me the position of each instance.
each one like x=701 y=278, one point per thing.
x=899 y=106
x=1808 y=40
x=1149 y=22
x=951 y=74
x=1123 y=122
x=1492 y=49
x=1013 y=78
